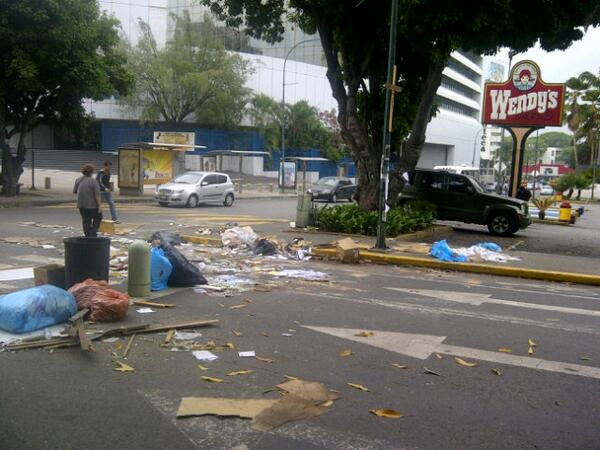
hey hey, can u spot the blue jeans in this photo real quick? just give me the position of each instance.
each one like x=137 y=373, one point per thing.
x=107 y=198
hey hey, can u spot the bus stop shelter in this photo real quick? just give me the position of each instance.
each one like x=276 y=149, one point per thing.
x=304 y=160
x=240 y=154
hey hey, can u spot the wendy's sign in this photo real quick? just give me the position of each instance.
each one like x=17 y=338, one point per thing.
x=524 y=100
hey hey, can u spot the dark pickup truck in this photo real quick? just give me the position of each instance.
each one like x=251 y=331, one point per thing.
x=461 y=198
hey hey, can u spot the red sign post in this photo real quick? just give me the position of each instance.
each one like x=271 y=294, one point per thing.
x=522 y=104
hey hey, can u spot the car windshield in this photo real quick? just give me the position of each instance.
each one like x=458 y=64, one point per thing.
x=327 y=181
x=476 y=184
x=187 y=178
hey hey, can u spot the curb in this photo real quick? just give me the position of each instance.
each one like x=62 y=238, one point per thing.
x=552 y=222
x=507 y=271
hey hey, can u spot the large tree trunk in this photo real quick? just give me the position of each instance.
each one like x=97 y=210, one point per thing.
x=12 y=166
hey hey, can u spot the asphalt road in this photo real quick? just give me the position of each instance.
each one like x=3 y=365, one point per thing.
x=68 y=399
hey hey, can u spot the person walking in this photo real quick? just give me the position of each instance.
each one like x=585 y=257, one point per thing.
x=88 y=201
x=103 y=178
x=523 y=193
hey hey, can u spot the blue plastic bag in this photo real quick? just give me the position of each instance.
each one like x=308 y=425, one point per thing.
x=490 y=246
x=160 y=269
x=441 y=250
x=35 y=308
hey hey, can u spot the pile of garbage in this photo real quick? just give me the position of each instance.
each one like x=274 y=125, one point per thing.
x=485 y=251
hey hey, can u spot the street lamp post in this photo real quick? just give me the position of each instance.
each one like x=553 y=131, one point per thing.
x=283 y=106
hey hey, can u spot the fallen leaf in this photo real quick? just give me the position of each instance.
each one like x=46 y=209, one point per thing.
x=230 y=345
x=264 y=334
x=265 y=360
x=389 y=413
x=530 y=351
x=123 y=367
x=585 y=358
x=462 y=362
x=360 y=387
x=438 y=356
x=327 y=403
x=238 y=306
x=247 y=300
x=239 y=372
x=237 y=333
x=365 y=334
x=212 y=380
x=431 y=372
x=505 y=350
x=532 y=343
x=497 y=372
x=346 y=352
x=202 y=367
x=399 y=366
x=289 y=377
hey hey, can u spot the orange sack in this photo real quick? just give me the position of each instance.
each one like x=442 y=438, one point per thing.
x=105 y=305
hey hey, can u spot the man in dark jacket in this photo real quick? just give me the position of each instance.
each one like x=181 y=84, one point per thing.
x=88 y=201
x=103 y=178
x=523 y=193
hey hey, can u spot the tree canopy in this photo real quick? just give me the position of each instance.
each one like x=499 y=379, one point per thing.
x=354 y=37
x=192 y=77
x=53 y=54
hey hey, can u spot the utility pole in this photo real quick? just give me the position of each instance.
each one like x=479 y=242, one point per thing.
x=391 y=89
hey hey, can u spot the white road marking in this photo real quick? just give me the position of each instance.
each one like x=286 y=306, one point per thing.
x=421 y=309
x=478 y=299
x=422 y=346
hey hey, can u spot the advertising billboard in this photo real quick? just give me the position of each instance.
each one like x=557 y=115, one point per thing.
x=524 y=100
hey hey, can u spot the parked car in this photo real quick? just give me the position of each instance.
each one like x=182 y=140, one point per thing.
x=192 y=188
x=546 y=190
x=333 y=189
x=490 y=187
x=461 y=198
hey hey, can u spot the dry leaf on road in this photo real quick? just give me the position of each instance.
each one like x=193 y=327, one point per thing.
x=530 y=350
x=505 y=350
x=230 y=345
x=496 y=372
x=360 y=387
x=212 y=379
x=365 y=334
x=237 y=333
x=532 y=343
x=123 y=367
x=399 y=366
x=431 y=372
x=438 y=356
x=389 y=413
x=202 y=367
x=265 y=360
x=238 y=306
x=346 y=352
x=462 y=362
x=239 y=372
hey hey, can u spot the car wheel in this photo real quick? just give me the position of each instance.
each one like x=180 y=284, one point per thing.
x=228 y=200
x=192 y=201
x=502 y=224
x=334 y=198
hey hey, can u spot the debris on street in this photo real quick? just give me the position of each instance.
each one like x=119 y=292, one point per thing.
x=486 y=251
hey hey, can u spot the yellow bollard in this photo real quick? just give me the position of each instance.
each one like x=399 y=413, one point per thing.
x=564 y=214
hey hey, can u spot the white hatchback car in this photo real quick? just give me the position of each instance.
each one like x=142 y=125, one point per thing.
x=192 y=188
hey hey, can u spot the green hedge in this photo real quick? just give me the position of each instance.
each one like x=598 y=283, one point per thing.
x=411 y=217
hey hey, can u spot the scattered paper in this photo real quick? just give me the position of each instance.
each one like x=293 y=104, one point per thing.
x=287 y=334
x=464 y=363
x=360 y=387
x=47 y=246
x=186 y=335
x=247 y=354
x=145 y=310
x=110 y=340
x=389 y=413
x=430 y=372
x=204 y=355
x=16 y=274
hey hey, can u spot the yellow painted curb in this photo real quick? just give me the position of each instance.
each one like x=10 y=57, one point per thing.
x=507 y=271
x=552 y=222
x=204 y=240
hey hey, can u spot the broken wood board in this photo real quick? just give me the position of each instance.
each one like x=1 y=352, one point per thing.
x=153 y=304
x=247 y=408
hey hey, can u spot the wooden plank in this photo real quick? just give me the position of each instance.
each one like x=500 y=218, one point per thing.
x=128 y=347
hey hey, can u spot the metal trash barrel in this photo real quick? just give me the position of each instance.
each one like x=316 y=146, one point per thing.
x=303 y=211
x=86 y=257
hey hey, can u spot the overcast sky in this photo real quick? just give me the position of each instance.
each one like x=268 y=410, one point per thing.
x=558 y=66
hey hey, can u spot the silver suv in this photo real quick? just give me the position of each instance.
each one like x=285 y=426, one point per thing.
x=192 y=188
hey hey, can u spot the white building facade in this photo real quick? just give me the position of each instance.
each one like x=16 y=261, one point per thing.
x=452 y=137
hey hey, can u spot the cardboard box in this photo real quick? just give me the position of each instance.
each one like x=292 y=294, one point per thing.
x=53 y=274
x=107 y=226
x=347 y=250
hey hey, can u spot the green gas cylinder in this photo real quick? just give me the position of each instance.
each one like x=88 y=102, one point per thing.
x=138 y=272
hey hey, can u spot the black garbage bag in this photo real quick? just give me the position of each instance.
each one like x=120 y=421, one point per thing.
x=184 y=274
x=265 y=247
x=166 y=238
